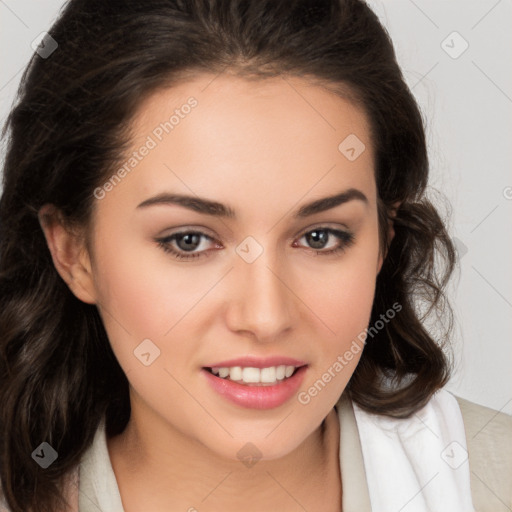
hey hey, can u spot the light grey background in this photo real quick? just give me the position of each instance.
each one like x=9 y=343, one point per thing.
x=466 y=98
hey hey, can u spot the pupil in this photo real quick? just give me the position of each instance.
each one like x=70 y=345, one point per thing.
x=317 y=238
x=191 y=241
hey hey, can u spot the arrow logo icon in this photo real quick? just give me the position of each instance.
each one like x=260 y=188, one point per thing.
x=454 y=454
x=249 y=249
x=249 y=455
x=44 y=45
x=454 y=45
x=44 y=455
x=351 y=147
x=146 y=352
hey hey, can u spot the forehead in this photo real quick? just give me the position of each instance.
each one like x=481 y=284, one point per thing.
x=226 y=137
x=237 y=107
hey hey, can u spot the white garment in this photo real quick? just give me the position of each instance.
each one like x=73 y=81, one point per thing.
x=419 y=464
x=98 y=484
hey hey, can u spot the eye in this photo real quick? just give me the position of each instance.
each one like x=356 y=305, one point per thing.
x=317 y=239
x=186 y=241
x=184 y=245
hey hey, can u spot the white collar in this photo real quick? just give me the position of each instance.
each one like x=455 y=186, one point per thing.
x=418 y=464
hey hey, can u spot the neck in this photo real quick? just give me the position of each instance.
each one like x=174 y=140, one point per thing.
x=179 y=473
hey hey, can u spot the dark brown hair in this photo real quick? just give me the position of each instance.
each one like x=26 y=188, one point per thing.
x=65 y=135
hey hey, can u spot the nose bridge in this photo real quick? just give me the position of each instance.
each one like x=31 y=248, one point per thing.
x=264 y=304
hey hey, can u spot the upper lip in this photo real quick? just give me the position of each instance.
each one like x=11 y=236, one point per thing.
x=258 y=362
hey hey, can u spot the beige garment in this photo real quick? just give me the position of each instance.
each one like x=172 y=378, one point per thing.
x=489 y=441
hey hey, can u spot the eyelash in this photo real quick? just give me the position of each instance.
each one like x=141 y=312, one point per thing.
x=347 y=239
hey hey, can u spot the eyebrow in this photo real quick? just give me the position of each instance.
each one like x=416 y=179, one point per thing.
x=209 y=207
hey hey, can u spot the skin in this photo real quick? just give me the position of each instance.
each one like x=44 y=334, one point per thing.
x=264 y=148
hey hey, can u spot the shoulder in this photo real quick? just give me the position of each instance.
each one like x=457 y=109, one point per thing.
x=484 y=437
x=489 y=443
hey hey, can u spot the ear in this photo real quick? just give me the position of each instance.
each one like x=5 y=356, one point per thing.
x=69 y=253
x=391 y=232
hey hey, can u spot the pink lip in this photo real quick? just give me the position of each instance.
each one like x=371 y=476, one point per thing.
x=256 y=397
x=258 y=362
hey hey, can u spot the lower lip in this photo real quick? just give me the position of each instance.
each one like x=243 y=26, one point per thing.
x=257 y=397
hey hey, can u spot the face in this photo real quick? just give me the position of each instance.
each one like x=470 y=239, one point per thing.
x=263 y=278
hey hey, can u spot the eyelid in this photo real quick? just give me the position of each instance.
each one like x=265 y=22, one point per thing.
x=228 y=238
x=203 y=230
x=346 y=238
x=324 y=225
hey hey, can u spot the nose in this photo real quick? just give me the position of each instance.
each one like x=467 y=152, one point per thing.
x=262 y=301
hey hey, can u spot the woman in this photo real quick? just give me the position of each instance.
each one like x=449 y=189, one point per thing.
x=215 y=238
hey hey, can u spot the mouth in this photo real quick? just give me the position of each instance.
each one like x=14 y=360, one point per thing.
x=252 y=376
x=255 y=388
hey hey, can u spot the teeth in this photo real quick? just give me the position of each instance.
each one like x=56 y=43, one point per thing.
x=249 y=375
x=281 y=372
x=223 y=372
x=235 y=373
x=268 y=374
x=288 y=371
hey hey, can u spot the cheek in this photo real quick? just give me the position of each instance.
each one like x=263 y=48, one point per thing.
x=342 y=298
x=140 y=287
x=139 y=297
x=342 y=293
x=345 y=300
